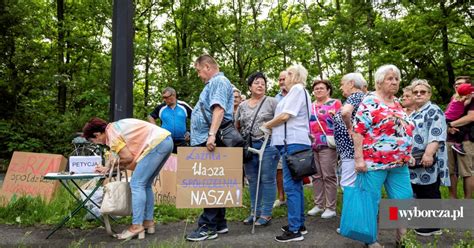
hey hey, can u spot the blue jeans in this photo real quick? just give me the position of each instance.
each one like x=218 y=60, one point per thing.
x=267 y=189
x=293 y=189
x=143 y=199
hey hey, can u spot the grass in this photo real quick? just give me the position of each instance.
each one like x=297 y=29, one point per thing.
x=28 y=211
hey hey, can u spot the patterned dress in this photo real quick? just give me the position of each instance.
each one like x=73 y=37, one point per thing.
x=344 y=143
x=430 y=126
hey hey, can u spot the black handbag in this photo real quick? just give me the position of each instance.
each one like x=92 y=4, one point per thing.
x=248 y=138
x=248 y=143
x=301 y=164
x=227 y=135
x=418 y=155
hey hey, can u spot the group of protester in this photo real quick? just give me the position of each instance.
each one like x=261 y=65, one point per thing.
x=371 y=133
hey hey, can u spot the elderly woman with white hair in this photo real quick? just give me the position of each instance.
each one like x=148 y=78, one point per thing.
x=352 y=86
x=291 y=124
x=430 y=143
x=383 y=139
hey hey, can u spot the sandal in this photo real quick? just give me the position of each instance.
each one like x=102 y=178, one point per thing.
x=127 y=234
x=150 y=229
x=263 y=221
x=249 y=220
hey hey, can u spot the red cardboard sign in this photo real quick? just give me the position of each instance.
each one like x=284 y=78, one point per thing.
x=25 y=175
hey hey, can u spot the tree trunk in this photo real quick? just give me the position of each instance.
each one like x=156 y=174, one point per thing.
x=147 y=60
x=446 y=57
x=62 y=90
x=369 y=42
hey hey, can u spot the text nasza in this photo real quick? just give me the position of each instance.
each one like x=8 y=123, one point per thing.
x=211 y=197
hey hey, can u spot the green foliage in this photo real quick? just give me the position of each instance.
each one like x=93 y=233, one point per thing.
x=28 y=211
x=425 y=39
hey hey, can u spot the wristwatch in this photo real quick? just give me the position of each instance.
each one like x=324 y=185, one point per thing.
x=211 y=134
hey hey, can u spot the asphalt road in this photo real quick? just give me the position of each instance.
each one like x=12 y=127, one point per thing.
x=321 y=233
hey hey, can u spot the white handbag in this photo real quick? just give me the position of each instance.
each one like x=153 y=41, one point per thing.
x=117 y=196
x=331 y=141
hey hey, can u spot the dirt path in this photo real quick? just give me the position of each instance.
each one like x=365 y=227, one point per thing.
x=322 y=233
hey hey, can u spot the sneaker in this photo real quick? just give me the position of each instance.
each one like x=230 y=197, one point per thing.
x=328 y=213
x=458 y=148
x=201 y=234
x=314 y=211
x=222 y=230
x=289 y=236
x=278 y=203
x=338 y=230
x=428 y=232
x=302 y=229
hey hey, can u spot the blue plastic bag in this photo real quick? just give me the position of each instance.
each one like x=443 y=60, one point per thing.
x=359 y=212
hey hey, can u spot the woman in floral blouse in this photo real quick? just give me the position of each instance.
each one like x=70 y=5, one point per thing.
x=383 y=139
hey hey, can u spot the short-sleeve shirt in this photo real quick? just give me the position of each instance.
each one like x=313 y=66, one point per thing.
x=218 y=91
x=140 y=137
x=387 y=133
x=430 y=126
x=279 y=96
x=344 y=143
x=322 y=112
x=173 y=119
x=245 y=115
x=298 y=107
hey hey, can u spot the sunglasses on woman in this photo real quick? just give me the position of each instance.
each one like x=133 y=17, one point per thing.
x=421 y=92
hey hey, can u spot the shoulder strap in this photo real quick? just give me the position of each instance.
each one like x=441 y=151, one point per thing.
x=256 y=113
x=317 y=119
x=309 y=117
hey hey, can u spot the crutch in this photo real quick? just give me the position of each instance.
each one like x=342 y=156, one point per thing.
x=260 y=157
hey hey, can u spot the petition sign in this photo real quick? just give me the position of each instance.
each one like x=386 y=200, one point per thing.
x=209 y=179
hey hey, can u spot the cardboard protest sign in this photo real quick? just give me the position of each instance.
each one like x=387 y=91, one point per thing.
x=25 y=174
x=164 y=185
x=209 y=179
x=84 y=164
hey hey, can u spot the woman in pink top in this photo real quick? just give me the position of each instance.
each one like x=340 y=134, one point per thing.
x=141 y=147
x=322 y=125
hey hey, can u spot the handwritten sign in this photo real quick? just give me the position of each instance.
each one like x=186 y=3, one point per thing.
x=84 y=164
x=209 y=179
x=164 y=185
x=25 y=175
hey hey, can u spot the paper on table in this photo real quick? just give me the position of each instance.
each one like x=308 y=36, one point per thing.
x=66 y=174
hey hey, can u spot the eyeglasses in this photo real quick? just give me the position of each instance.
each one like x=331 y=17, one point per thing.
x=166 y=97
x=319 y=89
x=257 y=82
x=421 y=92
